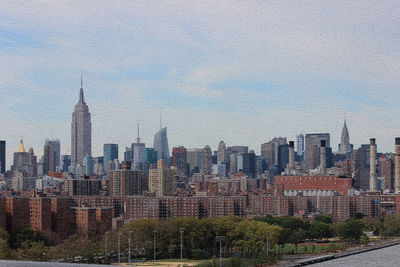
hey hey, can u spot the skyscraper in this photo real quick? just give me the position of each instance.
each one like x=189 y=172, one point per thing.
x=270 y=151
x=161 y=144
x=138 y=153
x=161 y=180
x=300 y=145
x=110 y=152
x=57 y=150
x=179 y=159
x=33 y=160
x=22 y=162
x=65 y=162
x=2 y=156
x=312 y=151
x=193 y=157
x=49 y=157
x=89 y=165
x=206 y=161
x=126 y=182
x=150 y=155
x=222 y=155
x=81 y=131
x=249 y=164
x=283 y=156
x=345 y=147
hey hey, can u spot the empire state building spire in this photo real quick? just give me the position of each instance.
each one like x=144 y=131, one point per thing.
x=81 y=96
x=81 y=130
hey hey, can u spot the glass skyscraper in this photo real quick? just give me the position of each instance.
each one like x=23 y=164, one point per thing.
x=161 y=144
x=110 y=152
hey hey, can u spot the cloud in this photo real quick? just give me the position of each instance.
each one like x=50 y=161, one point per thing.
x=218 y=69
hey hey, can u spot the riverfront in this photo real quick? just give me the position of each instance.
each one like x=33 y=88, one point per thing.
x=377 y=258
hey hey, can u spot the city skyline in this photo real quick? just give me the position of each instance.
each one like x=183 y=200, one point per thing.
x=214 y=147
x=216 y=69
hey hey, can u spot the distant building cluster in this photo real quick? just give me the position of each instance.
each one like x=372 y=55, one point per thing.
x=303 y=177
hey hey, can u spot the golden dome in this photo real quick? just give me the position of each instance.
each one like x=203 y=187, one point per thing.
x=21 y=146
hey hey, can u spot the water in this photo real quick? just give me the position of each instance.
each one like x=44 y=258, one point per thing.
x=376 y=258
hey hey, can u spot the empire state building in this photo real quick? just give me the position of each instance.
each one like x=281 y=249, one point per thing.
x=81 y=131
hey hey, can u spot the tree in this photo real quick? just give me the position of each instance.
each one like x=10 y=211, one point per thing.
x=319 y=230
x=352 y=230
x=297 y=237
x=5 y=251
x=35 y=251
x=323 y=218
x=4 y=234
x=26 y=235
x=284 y=237
x=391 y=226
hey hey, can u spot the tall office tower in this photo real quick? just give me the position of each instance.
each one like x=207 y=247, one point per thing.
x=22 y=162
x=2 y=156
x=261 y=165
x=49 y=157
x=312 y=151
x=385 y=171
x=57 y=150
x=372 y=165
x=193 y=157
x=126 y=182
x=345 y=147
x=138 y=154
x=81 y=131
x=88 y=162
x=300 y=145
x=214 y=158
x=270 y=151
x=65 y=162
x=283 y=156
x=222 y=155
x=233 y=163
x=110 y=152
x=40 y=167
x=206 y=160
x=161 y=180
x=128 y=154
x=161 y=144
x=360 y=160
x=249 y=164
x=150 y=156
x=137 y=150
x=179 y=159
x=33 y=160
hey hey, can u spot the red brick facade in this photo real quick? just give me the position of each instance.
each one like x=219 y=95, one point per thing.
x=3 y=213
x=310 y=183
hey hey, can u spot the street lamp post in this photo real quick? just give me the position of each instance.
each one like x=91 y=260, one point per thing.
x=105 y=245
x=119 y=247
x=129 y=245
x=155 y=233
x=220 y=238
x=181 y=231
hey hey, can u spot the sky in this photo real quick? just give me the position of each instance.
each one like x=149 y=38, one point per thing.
x=239 y=71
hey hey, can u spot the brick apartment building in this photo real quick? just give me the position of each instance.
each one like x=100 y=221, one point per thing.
x=3 y=213
x=92 y=221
